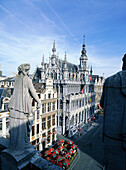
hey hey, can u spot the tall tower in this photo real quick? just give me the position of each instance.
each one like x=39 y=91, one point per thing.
x=83 y=58
x=65 y=68
x=53 y=58
x=43 y=69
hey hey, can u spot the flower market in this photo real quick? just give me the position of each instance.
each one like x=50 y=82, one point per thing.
x=62 y=153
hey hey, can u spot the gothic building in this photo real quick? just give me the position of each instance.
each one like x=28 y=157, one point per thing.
x=75 y=90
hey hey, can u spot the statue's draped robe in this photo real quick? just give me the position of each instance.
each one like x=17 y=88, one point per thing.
x=113 y=101
x=20 y=107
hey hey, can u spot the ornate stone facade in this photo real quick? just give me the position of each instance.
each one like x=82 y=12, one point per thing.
x=75 y=90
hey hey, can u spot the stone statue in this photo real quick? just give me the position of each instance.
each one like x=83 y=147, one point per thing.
x=113 y=102
x=20 y=108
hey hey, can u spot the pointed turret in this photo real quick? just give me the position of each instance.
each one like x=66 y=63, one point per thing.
x=53 y=58
x=65 y=69
x=42 y=63
x=83 y=58
x=91 y=71
x=43 y=58
x=65 y=61
x=54 y=49
x=49 y=61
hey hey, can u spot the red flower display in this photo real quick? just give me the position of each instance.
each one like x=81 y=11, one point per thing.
x=53 y=155
x=51 y=150
x=61 y=147
x=74 y=147
x=56 y=151
x=65 y=162
x=67 y=155
x=70 y=142
x=59 y=158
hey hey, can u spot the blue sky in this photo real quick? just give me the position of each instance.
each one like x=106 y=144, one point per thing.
x=29 y=27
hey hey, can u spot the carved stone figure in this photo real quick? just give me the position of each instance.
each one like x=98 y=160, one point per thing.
x=20 y=108
x=113 y=101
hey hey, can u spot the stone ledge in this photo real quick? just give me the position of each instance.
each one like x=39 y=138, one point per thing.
x=39 y=163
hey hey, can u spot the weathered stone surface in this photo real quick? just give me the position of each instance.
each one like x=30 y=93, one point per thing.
x=40 y=163
x=19 y=151
x=20 y=108
x=114 y=127
x=11 y=161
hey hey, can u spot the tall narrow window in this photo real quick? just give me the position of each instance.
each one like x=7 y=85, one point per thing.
x=37 y=128
x=37 y=114
x=49 y=122
x=43 y=107
x=43 y=123
x=49 y=95
x=53 y=106
x=53 y=119
x=49 y=106
x=61 y=104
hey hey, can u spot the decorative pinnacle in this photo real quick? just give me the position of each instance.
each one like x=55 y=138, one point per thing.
x=84 y=39
x=54 y=49
x=43 y=59
x=65 y=58
x=91 y=71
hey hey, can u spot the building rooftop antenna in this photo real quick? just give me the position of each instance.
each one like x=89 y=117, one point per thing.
x=84 y=39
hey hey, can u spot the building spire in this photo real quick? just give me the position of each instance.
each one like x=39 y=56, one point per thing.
x=65 y=57
x=91 y=71
x=65 y=61
x=43 y=59
x=54 y=49
x=84 y=39
x=42 y=63
x=83 y=58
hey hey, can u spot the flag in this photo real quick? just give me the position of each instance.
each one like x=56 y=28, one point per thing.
x=89 y=101
x=81 y=76
x=82 y=90
x=74 y=75
x=90 y=78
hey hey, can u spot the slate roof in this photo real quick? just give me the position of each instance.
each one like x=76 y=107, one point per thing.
x=4 y=93
x=39 y=87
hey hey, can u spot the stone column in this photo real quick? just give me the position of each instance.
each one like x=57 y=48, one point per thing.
x=58 y=112
x=69 y=116
x=58 y=105
x=83 y=115
x=51 y=131
x=86 y=116
x=69 y=134
x=64 y=111
x=77 y=119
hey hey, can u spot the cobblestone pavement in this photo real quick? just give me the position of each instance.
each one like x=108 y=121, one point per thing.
x=90 y=145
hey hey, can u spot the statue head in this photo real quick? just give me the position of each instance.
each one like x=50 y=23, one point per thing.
x=124 y=62
x=24 y=69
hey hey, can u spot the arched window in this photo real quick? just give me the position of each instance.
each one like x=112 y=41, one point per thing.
x=55 y=76
x=52 y=75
